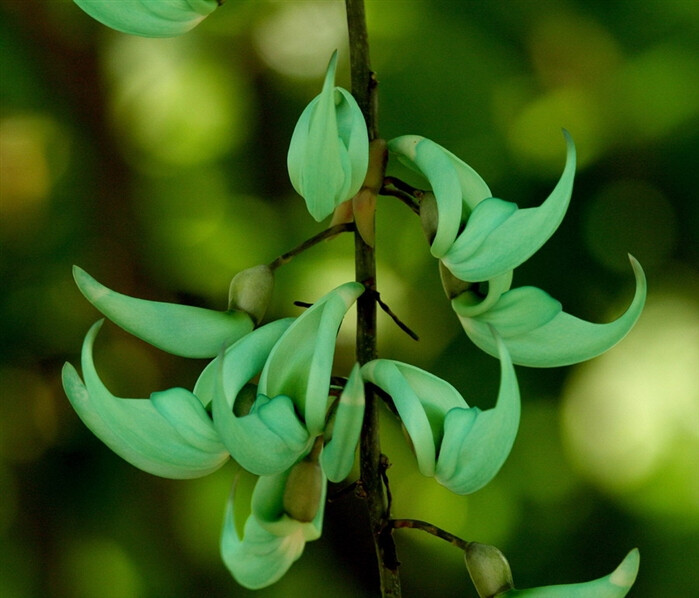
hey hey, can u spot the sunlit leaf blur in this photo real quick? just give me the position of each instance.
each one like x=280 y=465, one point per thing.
x=160 y=167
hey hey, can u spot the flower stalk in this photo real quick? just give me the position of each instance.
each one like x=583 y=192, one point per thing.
x=364 y=91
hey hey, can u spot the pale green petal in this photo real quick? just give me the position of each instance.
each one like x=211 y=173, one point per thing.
x=473 y=188
x=337 y=457
x=536 y=338
x=149 y=18
x=388 y=377
x=136 y=431
x=268 y=508
x=300 y=364
x=252 y=439
x=183 y=330
x=615 y=585
x=477 y=443
x=499 y=237
x=437 y=167
x=329 y=149
x=187 y=415
x=259 y=558
x=205 y=386
x=469 y=305
x=353 y=133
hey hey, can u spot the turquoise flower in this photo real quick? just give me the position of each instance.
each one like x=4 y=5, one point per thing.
x=291 y=405
x=149 y=18
x=182 y=330
x=490 y=573
x=461 y=446
x=329 y=150
x=533 y=326
x=272 y=539
x=477 y=236
x=169 y=435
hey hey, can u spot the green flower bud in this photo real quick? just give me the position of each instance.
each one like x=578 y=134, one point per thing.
x=149 y=18
x=488 y=568
x=329 y=150
x=304 y=487
x=251 y=291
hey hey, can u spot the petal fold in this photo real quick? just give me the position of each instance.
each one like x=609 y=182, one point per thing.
x=182 y=330
x=270 y=438
x=499 y=237
x=538 y=333
x=179 y=444
x=300 y=364
x=329 y=149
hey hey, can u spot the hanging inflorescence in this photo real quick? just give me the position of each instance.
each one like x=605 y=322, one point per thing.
x=299 y=425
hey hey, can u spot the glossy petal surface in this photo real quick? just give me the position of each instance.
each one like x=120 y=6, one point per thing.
x=182 y=330
x=615 y=585
x=337 y=457
x=499 y=236
x=174 y=440
x=538 y=333
x=149 y=18
x=329 y=149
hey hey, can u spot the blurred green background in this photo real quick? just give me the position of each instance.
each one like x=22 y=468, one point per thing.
x=159 y=166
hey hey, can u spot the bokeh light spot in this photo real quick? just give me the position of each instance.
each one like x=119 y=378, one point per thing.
x=631 y=416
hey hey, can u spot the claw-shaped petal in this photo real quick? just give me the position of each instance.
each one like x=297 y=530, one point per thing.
x=461 y=446
x=499 y=237
x=149 y=18
x=300 y=364
x=183 y=330
x=538 y=333
x=477 y=443
x=329 y=149
x=272 y=541
x=337 y=457
x=270 y=438
x=615 y=585
x=457 y=187
x=170 y=435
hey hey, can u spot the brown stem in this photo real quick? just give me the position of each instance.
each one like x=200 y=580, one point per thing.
x=328 y=233
x=430 y=529
x=364 y=91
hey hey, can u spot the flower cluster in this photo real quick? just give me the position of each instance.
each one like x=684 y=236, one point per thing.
x=297 y=427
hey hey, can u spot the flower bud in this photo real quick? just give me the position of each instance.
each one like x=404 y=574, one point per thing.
x=150 y=18
x=329 y=150
x=304 y=487
x=429 y=215
x=488 y=568
x=251 y=291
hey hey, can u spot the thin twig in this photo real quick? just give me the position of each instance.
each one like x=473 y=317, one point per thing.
x=395 y=318
x=430 y=529
x=328 y=233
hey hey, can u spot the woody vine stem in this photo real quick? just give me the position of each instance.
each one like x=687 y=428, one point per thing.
x=371 y=462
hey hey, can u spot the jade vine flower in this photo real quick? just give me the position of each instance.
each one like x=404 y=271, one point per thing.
x=477 y=236
x=490 y=573
x=461 y=446
x=272 y=539
x=182 y=330
x=169 y=435
x=535 y=329
x=291 y=406
x=329 y=150
x=149 y=18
